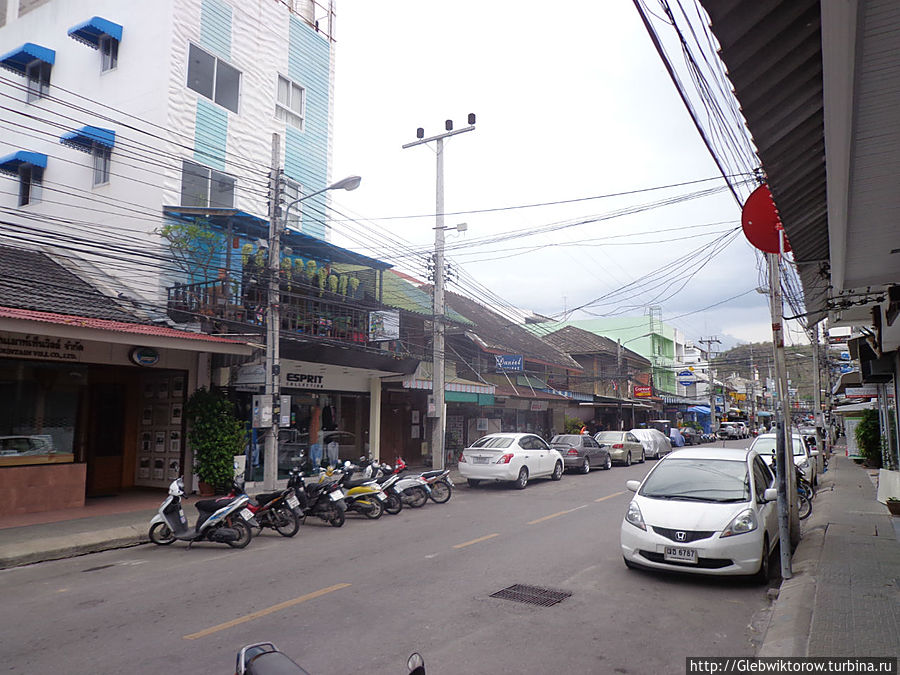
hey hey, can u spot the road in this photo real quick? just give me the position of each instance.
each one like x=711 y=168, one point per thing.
x=362 y=597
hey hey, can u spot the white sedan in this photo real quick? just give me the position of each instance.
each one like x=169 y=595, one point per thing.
x=656 y=443
x=709 y=511
x=510 y=457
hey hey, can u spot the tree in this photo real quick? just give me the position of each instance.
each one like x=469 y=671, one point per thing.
x=216 y=435
x=194 y=247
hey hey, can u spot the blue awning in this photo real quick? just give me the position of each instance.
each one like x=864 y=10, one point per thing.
x=84 y=138
x=91 y=31
x=701 y=409
x=11 y=163
x=18 y=59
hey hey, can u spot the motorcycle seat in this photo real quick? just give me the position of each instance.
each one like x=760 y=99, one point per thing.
x=432 y=474
x=266 y=497
x=273 y=663
x=213 y=505
x=356 y=483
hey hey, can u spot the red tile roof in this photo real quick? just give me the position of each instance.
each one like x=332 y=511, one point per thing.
x=108 y=325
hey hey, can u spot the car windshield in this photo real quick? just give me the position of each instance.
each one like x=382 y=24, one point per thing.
x=566 y=439
x=702 y=480
x=493 y=442
x=765 y=445
x=609 y=436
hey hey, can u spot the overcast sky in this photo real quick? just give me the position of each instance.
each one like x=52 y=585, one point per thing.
x=572 y=102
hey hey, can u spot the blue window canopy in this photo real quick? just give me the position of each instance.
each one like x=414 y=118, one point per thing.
x=86 y=138
x=18 y=59
x=11 y=163
x=90 y=32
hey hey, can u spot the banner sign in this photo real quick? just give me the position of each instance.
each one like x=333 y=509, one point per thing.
x=384 y=326
x=643 y=391
x=861 y=392
x=510 y=362
x=32 y=346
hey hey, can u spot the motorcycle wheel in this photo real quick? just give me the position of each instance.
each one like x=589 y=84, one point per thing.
x=161 y=535
x=245 y=532
x=393 y=505
x=440 y=492
x=416 y=496
x=804 y=506
x=286 y=521
x=376 y=511
x=337 y=519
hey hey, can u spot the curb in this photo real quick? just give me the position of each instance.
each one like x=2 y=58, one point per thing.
x=69 y=546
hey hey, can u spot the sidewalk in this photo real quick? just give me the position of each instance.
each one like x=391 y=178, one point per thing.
x=844 y=597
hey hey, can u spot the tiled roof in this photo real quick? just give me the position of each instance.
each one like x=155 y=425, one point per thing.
x=574 y=340
x=500 y=335
x=401 y=291
x=106 y=324
x=32 y=280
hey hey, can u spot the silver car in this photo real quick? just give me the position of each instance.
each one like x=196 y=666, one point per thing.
x=655 y=442
x=624 y=447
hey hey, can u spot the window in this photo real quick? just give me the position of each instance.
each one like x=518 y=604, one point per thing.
x=292 y=190
x=213 y=78
x=109 y=53
x=37 y=73
x=204 y=187
x=291 y=104
x=100 y=156
x=30 y=178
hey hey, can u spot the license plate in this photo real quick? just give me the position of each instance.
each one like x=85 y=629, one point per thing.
x=479 y=460
x=246 y=514
x=678 y=554
x=292 y=501
x=381 y=496
x=336 y=496
x=449 y=482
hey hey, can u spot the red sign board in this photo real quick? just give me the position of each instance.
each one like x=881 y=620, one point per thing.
x=761 y=222
x=643 y=391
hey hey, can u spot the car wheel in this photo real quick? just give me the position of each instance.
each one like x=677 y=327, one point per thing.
x=641 y=460
x=522 y=480
x=558 y=470
x=608 y=464
x=762 y=576
x=473 y=482
x=628 y=459
x=586 y=466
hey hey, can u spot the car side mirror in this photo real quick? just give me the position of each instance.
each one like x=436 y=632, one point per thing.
x=633 y=485
x=770 y=495
x=813 y=453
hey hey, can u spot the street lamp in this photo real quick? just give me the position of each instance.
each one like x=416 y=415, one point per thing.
x=273 y=329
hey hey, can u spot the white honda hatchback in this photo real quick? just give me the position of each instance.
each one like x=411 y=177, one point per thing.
x=510 y=457
x=709 y=511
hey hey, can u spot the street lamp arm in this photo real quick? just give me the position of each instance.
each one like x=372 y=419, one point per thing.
x=348 y=183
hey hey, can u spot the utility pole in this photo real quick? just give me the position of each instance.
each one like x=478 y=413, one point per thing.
x=273 y=321
x=713 y=421
x=437 y=377
x=817 y=390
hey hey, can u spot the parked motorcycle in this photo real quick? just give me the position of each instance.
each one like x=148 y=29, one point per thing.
x=264 y=658
x=363 y=495
x=273 y=509
x=225 y=520
x=323 y=500
x=440 y=483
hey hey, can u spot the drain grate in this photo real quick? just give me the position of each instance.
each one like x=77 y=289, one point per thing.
x=531 y=595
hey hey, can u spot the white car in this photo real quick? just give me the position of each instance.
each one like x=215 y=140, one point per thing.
x=510 y=457
x=710 y=511
x=656 y=443
x=804 y=460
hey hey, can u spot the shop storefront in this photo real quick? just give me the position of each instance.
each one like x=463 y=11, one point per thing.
x=91 y=407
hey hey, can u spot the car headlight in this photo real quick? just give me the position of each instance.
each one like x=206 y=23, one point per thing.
x=743 y=522
x=804 y=464
x=633 y=516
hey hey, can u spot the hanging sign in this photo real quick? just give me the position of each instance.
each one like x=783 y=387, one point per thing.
x=643 y=391
x=761 y=222
x=686 y=378
x=509 y=362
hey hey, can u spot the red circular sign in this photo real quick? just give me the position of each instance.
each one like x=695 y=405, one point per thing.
x=761 y=222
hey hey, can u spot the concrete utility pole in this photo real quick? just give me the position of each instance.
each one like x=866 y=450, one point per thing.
x=273 y=322
x=817 y=390
x=437 y=377
x=713 y=420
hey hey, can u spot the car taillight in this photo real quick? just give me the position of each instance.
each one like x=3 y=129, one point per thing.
x=618 y=446
x=504 y=459
x=572 y=451
x=462 y=458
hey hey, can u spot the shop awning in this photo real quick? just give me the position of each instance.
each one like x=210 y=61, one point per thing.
x=90 y=32
x=84 y=138
x=852 y=379
x=456 y=385
x=853 y=408
x=700 y=409
x=18 y=59
x=11 y=163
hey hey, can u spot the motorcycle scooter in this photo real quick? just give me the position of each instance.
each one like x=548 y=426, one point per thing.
x=264 y=658
x=224 y=520
x=362 y=495
x=324 y=500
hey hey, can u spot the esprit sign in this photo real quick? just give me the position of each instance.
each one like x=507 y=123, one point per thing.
x=305 y=380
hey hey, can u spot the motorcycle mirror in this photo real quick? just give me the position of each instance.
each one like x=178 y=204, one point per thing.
x=347 y=464
x=416 y=664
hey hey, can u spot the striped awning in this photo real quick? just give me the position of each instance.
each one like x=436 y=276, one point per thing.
x=11 y=163
x=463 y=386
x=18 y=59
x=91 y=31
x=85 y=138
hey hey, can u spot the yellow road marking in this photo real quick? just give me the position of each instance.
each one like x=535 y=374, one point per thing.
x=554 y=515
x=476 y=541
x=614 y=494
x=264 y=612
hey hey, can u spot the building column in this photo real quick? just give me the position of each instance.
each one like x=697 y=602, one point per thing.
x=375 y=418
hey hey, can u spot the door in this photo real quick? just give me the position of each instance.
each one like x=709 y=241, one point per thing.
x=591 y=450
x=545 y=456
x=106 y=419
x=634 y=445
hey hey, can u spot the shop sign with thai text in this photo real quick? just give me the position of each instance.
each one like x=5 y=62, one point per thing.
x=29 y=346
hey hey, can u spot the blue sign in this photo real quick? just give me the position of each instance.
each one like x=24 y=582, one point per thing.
x=847 y=368
x=510 y=361
x=686 y=378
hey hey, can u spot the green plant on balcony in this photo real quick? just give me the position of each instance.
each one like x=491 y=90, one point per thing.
x=246 y=252
x=344 y=284
x=353 y=285
x=285 y=275
x=332 y=283
x=194 y=247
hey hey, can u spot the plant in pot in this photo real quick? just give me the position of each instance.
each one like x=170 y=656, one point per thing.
x=893 y=505
x=216 y=435
x=868 y=438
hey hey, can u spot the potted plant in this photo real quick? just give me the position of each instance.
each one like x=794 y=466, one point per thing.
x=893 y=505
x=868 y=438
x=216 y=435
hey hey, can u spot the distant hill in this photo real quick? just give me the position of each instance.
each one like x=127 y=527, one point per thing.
x=799 y=361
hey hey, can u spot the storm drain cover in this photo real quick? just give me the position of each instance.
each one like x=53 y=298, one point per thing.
x=531 y=595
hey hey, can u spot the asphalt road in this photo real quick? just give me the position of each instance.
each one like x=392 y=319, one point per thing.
x=361 y=598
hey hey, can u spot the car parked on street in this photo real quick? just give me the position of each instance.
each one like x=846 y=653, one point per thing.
x=516 y=458
x=704 y=511
x=743 y=430
x=691 y=436
x=624 y=446
x=727 y=431
x=581 y=451
x=804 y=459
x=655 y=442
